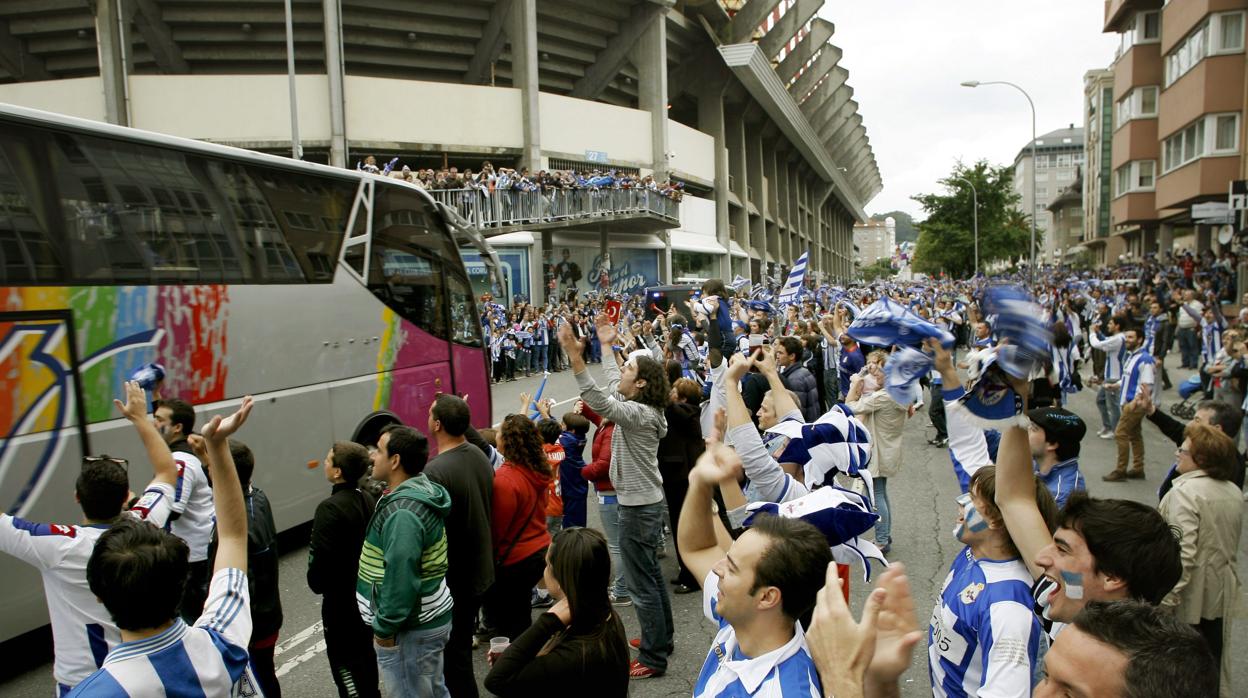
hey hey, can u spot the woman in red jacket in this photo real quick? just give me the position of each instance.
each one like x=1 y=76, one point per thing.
x=518 y=525
x=596 y=471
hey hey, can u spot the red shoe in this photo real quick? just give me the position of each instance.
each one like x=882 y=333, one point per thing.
x=637 y=670
x=635 y=643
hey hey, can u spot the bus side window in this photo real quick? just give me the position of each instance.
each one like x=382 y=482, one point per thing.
x=411 y=262
x=464 y=322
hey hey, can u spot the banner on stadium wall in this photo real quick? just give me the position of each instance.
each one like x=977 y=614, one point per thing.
x=515 y=271
x=585 y=269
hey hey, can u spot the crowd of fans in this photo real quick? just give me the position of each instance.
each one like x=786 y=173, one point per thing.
x=766 y=432
x=489 y=180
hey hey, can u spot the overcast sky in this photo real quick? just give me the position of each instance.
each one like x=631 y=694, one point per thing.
x=906 y=59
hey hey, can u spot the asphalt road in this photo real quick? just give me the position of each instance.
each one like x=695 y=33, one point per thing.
x=924 y=514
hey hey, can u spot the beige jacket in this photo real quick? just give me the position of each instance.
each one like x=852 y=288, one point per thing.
x=1209 y=515
x=884 y=420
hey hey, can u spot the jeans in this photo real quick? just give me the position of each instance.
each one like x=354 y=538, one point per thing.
x=1189 y=347
x=1107 y=404
x=539 y=358
x=640 y=527
x=413 y=667
x=1130 y=439
x=609 y=512
x=883 y=527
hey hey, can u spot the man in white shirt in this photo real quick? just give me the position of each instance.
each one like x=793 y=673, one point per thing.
x=755 y=590
x=138 y=571
x=192 y=506
x=82 y=631
x=1189 y=329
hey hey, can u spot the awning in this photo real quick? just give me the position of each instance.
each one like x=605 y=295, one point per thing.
x=632 y=241
x=695 y=242
x=736 y=250
x=522 y=238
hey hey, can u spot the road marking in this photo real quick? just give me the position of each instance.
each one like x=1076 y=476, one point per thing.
x=298 y=638
x=308 y=654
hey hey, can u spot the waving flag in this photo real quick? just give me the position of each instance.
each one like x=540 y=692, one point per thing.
x=739 y=283
x=902 y=372
x=797 y=276
x=841 y=515
x=886 y=322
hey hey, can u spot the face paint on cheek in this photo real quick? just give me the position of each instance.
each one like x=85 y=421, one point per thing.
x=1073 y=581
x=975 y=522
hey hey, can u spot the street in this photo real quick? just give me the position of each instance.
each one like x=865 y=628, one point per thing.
x=924 y=514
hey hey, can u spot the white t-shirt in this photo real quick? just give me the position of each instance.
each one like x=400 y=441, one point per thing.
x=82 y=630
x=192 y=502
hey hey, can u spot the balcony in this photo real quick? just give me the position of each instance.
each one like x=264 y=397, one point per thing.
x=1142 y=64
x=509 y=210
x=1207 y=178
x=1134 y=208
x=1136 y=140
x=1212 y=86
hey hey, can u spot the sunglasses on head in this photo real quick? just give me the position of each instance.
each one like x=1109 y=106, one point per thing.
x=91 y=460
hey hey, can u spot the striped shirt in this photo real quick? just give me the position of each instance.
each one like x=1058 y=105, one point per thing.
x=209 y=659
x=786 y=672
x=82 y=630
x=1137 y=370
x=983 y=638
x=1115 y=352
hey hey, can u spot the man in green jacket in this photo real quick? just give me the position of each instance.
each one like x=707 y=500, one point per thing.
x=401 y=588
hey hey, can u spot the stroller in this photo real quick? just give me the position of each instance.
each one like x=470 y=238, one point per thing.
x=1185 y=410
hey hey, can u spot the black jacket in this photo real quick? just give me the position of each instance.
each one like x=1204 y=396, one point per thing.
x=800 y=380
x=262 y=563
x=337 y=537
x=596 y=666
x=682 y=445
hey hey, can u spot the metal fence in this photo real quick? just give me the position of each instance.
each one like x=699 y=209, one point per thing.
x=507 y=207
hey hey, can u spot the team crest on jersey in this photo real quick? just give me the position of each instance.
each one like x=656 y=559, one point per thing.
x=971 y=592
x=60 y=530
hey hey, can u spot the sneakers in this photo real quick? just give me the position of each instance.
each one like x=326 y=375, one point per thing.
x=1136 y=474
x=637 y=670
x=635 y=643
x=621 y=601
x=1115 y=476
x=539 y=601
x=1106 y=433
x=939 y=442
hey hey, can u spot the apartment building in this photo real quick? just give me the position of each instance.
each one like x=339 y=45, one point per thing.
x=876 y=239
x=1059 y=156
x=1178 y=91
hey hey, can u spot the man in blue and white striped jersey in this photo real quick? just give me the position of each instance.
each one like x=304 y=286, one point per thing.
x=1137 y=377
x=138 y=572
x=983 y=637
x=755 y=591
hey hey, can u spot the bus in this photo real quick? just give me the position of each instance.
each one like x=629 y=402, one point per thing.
x=337 y=298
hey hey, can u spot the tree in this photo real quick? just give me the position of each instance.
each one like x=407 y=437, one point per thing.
x=946 y=241
x=880 y=268
x=906 y=230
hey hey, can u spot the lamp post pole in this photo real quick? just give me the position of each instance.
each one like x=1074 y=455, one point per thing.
x=974 y=217
x=1032 y=213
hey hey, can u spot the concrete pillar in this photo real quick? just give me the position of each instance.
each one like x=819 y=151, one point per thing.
x=523 y=37
x=1165 y=239
x=649 y=55
x=737 y=160
x=543 y=245
x=1204 y=237
x=337 y=98
x=113 y=46
x=755 y=193
x=711 y=122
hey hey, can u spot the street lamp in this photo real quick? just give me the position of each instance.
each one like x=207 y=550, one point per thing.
x=974 y=217
x=976 y=83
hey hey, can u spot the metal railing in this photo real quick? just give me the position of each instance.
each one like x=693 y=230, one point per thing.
x=507 y=207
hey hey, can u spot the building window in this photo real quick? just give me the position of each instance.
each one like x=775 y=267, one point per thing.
x=1219 y=33
x=1134 y=177
x=1139 y=103
x=1144 y=28
x=1064 y=160
x=1212 y=134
